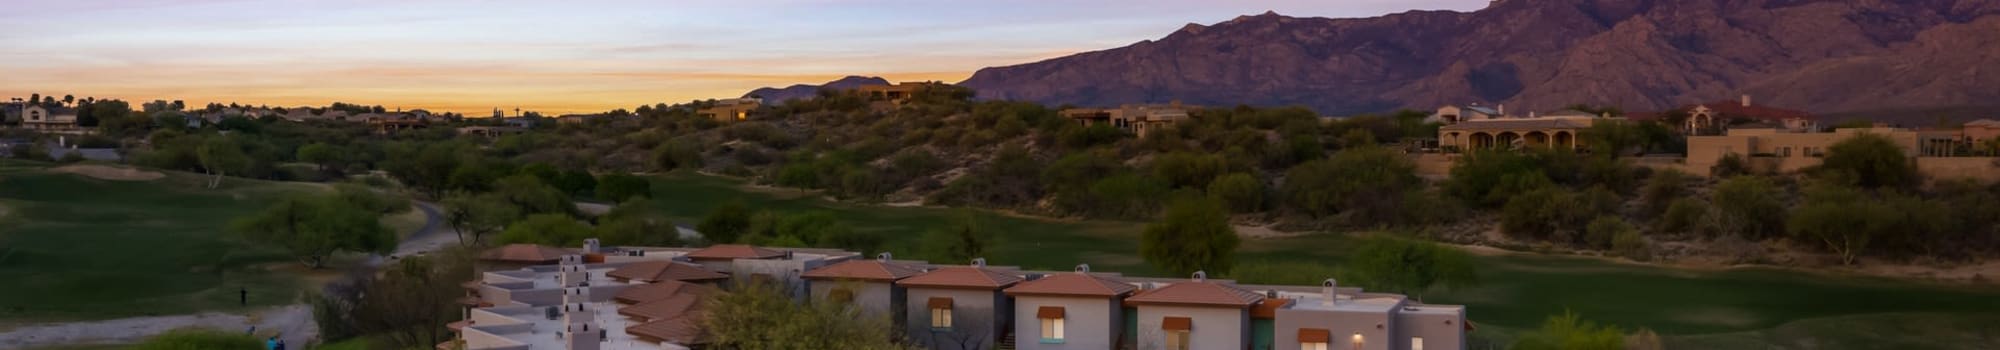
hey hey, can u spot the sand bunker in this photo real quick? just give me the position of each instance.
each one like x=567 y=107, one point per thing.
x=104 y=172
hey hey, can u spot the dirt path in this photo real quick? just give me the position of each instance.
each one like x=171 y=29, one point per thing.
x=293 y=322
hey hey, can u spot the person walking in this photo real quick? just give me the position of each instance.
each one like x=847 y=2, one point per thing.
x=271 y=343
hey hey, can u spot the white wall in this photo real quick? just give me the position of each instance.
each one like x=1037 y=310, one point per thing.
x=1213 y=327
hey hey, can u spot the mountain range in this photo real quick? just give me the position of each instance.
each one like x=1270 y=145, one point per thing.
x=1821 y=56
x=800 y=91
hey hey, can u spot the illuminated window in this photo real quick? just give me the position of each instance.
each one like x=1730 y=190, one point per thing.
x=1358 y=341
x=1313 y=339
x=1052 y=324
x=940 y=313
x=1416 y=343
x=1312 y=346
x=1177 y=340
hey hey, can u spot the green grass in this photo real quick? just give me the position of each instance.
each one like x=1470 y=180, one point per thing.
x=1735 y=308
x=77 y=248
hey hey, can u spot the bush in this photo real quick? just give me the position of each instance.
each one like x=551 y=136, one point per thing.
x=1869 y=161
x=1630 y=244
x=1606 y=229
x=1241 y=192
x=1662 y=189
x=1684 y=215
x=1188 y=170
x=1749 y=206
x=620 y=187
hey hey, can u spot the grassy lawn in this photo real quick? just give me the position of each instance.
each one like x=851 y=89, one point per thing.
x=1737 y=308
x=78 y=248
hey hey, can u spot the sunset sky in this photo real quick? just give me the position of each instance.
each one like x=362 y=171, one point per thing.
x=471 y=56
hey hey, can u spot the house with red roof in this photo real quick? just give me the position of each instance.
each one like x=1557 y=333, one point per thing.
x=1196 y=314
x=1077 y=310
x=958 y=307
x=868 y=285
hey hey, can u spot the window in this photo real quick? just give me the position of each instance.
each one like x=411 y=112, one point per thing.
x=1177 y=340
x=1052 y=324
x=1313 y=339
x=840 y=295
x=1416 y=343
x=1358 y=341
x=940 y=313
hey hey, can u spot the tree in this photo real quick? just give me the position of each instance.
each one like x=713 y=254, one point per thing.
x=1189 y=170
x=530 y=196
x=1749 y=206
x=758 y=315
x=619 y=187
x=1662 y=189
x=637 y=222
x=574 y=182
x=411 y=302
x=1684 y=215
x=1570 y=331
x=1870 y=161
x=313 y=228
x=369 y=199
x=1241 y=192
x=323 y=156
x=219 y=155
x=1365 y=184
x=1606 y=229
x=1410 y=267
x=962 y=240
x=1843 y=220
x=478 y=215
x=1613 y=138
x=1195 y=235
x=546 y=229
x=726 y=223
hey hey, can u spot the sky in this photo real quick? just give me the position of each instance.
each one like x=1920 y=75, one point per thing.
x=472 y=56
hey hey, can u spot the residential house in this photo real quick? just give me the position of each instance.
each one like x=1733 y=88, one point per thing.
x=666 y=270
x=958 y=307
x=1070 y=311
x=1449 y=115
x=1770 y=150
x=54 y=120
x=898 y=93
x=1195 y=314
x=1140 y=119
x=490 y=131
x=1337 y=318
x=731 y=110
x=868 y=285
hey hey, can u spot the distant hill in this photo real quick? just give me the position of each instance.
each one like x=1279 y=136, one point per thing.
x=800 y=91
x=1815 y=55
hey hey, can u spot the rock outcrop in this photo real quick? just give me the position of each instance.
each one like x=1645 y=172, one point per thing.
x=799 y=91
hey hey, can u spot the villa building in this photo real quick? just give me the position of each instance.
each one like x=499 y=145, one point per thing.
x=897 y=94
x=1475 y=128
x=1139 y=119
x=54 y=120
x=1770 y=150
x=731 y=110
x=652 y=298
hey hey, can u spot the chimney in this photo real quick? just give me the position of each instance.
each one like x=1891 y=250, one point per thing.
x=884 y=257
x=1270 y=294
x=590 y=245
x=1082 y=268
x=1200 y=276
x=1746 y=100
x=1328 y=290
x=1502 y=110
x=979 y=262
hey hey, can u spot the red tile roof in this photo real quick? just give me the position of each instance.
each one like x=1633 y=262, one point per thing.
x=963 y=277
x=675 y=306
x=524 y=253
x=1268 y=309
x=684 y=330
x=1194 y=293
x=868 y=270
x=665 y=271
x=660 y=290
x=1073 y=284
x=733 y=251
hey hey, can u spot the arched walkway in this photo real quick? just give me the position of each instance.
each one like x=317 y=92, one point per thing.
x=1482 y=140
x=1565 y=140
x=1506 y=139
x=1536 y=139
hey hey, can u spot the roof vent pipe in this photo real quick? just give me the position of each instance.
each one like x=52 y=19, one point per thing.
x=1200 y=276
x=1327 y=291
x=1082 y=268
x=884 y=257
x=979 y=262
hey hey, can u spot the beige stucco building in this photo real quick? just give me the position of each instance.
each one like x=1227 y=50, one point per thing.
x=731 y=110
x=1139 y=119
x=55 y=120
x=1515 y=133
x=1779 y=151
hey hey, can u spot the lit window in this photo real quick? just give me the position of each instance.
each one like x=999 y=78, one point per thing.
x=1358 y=341
x=1416 y=343
x=1312 y=346
x=1052 y=330
x=1177 y=340
x=941 y=318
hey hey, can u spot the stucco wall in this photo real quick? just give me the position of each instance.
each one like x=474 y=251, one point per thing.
x=1977 y=168
x=1088 y=323
x=874 y=299
x=1440 y=332
x=1340 y=325
x=1213 y=327
x=975 y=316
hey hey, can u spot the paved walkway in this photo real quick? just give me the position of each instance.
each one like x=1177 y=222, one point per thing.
x=295 y=322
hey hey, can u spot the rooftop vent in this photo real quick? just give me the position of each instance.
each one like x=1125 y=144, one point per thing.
x=1082 y=268
x=884 y=257
x=979 y=262
x=1200 y=276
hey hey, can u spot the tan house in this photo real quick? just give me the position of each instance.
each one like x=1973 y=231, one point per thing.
x=1980 y=133
x=1070 y=311
x=55 y=120
x=731 y=110
x=1196 y=314
x=1770 y=150
x=959 y=307
x=1455 y=114
x=897 y=93
x=1514 y=133
x=1139 y=119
